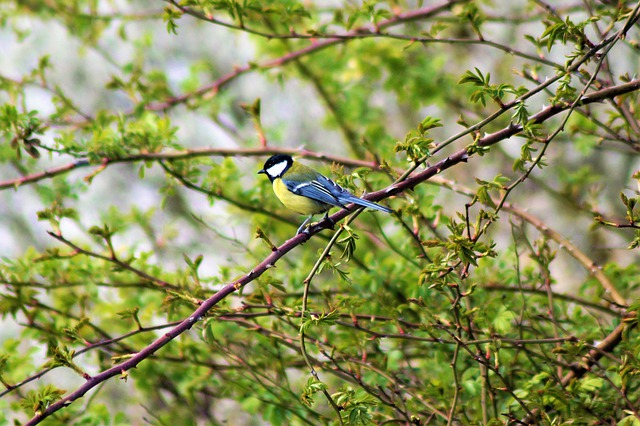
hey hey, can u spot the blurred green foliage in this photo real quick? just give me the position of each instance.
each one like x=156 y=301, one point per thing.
x=129 y=146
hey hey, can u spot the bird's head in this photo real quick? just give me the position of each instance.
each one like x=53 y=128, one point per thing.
x=276 y=166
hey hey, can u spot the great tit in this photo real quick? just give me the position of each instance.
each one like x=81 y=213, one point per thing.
x=305 y=191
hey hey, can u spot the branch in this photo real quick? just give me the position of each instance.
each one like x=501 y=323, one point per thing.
x=90 y=346
x=401 y=18
x=15 y=183
x=186 y=154
x=607 y=345
x=314 y=47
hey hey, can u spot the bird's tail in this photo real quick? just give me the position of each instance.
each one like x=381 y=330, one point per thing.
x=365 y=203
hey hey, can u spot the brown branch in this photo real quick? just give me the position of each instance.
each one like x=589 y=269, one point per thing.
x=124 y=265
x=401 y=18
x=607 y=345
x=615 y=308
x=15 y=183
x=87 y=348
x=186 y=154
x=609 y=310
x=575 y=252
x=313 y=47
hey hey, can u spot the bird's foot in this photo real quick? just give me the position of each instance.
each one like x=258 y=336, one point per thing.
x=332 y=223
x=303 y=230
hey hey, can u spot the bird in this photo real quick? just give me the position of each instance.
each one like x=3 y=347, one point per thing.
x=306 y=191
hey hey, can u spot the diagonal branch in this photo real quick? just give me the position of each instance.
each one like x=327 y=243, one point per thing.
x=315 y=46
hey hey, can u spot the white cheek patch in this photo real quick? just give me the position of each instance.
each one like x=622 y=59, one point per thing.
x=277 y=169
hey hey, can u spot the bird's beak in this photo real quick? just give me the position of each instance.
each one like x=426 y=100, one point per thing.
x=262 y=171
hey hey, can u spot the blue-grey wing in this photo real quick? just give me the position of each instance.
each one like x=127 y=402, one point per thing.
x=321 y=189
x=326 y=191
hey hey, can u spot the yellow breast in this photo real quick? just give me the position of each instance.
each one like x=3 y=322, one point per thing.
x=297 y=203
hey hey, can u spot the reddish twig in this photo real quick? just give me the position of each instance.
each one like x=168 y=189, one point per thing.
x=313 y=47
x=192 y=153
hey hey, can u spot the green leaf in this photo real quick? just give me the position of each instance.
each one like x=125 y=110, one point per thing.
x=503 y=321
x=630 y=420
x=476 y=79
x=38 y=401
